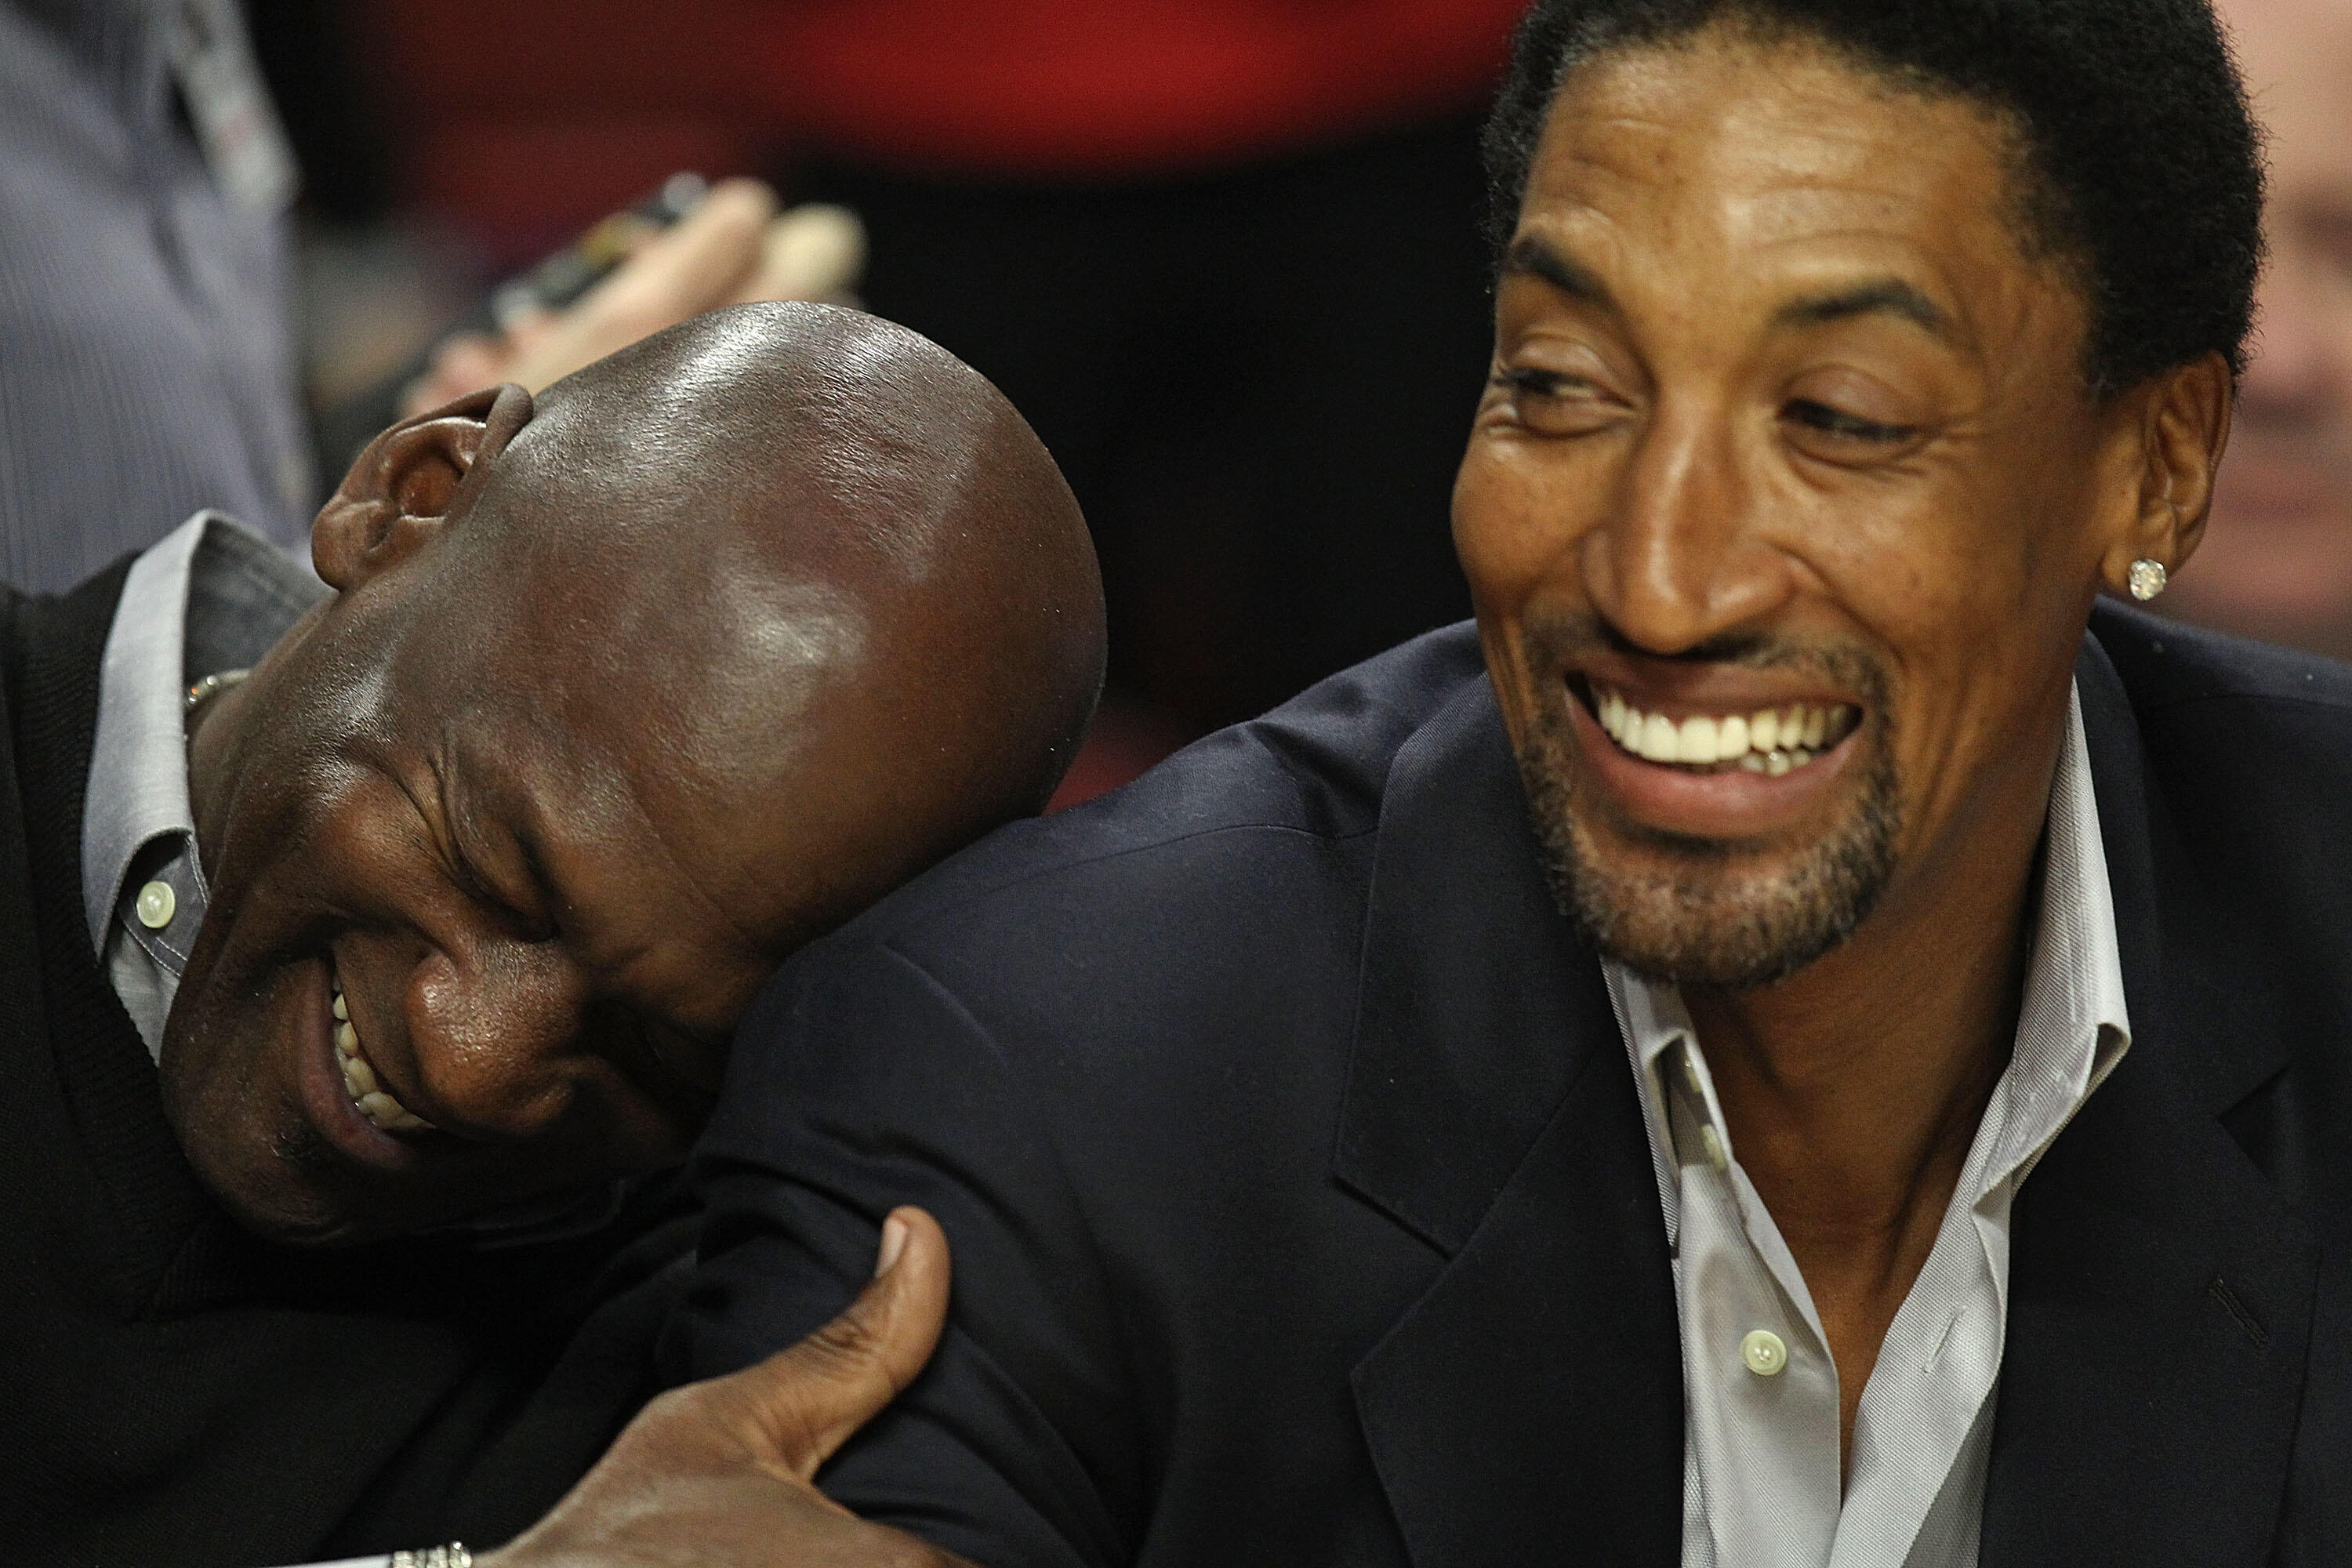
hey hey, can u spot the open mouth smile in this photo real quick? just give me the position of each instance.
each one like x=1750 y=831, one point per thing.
x=1705 y=756
x=1770 y=740
x=369 y=1096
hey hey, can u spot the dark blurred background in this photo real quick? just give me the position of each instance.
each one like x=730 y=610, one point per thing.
x=1224 y=255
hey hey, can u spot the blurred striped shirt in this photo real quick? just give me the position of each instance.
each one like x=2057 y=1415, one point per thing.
x=147 y=364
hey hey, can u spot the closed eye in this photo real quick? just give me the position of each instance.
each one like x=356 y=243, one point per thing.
x=1542 y=383
x=530 y=923
x=1846 y=426
x=523 y=923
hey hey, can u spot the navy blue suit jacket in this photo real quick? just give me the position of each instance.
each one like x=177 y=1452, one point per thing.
x=1301 y=1205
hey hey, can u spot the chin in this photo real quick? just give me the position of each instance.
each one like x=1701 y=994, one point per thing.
x=243 y=1133
x=1728 y=927
x=1698 y=912
x=253 y=1169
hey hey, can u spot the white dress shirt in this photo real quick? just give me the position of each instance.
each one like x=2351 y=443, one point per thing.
x=1761 y=1484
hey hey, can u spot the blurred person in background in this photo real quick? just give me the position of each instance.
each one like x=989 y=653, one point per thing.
x=142 y=286
x=145 y=184
x=1221 y=253
x=2277 y=560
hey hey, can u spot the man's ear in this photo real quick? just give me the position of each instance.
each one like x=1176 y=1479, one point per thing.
x=405 y=488
x=2184 y=425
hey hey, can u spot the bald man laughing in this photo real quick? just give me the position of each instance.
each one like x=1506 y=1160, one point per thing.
x=363 y=956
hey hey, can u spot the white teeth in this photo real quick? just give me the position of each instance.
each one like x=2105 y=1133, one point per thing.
x=1770 y=740
x=360 y=1081
x=1612 y=713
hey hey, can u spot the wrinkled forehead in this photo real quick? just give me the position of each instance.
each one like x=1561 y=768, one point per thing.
x=1753 y=168
x=1764 y=131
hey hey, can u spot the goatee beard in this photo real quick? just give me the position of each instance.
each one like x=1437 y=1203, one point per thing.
x=1707 y=922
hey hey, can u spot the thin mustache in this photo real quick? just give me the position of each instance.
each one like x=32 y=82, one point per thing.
x=1560 y=639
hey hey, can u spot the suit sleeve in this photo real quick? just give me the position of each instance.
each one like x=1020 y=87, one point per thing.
x=859 y=1083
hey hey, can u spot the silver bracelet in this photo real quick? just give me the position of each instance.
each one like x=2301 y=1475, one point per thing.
x=453 y=1555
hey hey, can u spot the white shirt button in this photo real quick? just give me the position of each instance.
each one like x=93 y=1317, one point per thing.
x=1764 y=1352
x=156 y=902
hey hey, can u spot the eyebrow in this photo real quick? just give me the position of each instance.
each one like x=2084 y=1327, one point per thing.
x=1886 y=296
x=1530 y=256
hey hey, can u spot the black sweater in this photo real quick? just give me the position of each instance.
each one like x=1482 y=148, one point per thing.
x=175 y=1391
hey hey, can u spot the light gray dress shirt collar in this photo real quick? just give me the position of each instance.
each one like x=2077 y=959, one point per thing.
x=209 y=596
x=1762 y=1478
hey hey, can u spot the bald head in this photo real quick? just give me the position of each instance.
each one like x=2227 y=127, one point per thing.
x=625 y=693
x=818 y=560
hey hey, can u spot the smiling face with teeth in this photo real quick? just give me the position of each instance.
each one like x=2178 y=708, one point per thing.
x=1787 y=502
x=624 y=694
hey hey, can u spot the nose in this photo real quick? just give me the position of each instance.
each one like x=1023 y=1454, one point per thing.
x=488 y=1025
x=1677 y=561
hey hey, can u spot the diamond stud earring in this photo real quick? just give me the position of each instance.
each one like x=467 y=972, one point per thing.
x=2147 y=580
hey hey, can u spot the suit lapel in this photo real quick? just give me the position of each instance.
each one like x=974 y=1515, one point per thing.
x=2160 y=1292
x=1529 y=1407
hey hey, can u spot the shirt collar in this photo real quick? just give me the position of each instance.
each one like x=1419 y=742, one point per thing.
x=2072 y=1026
x=210 y=596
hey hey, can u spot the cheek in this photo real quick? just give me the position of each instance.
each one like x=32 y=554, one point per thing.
x=701 y=981
x=1519 y=510
x=325 y=839
x=1963 y=573
x=1978 y=647
x=1917 y=596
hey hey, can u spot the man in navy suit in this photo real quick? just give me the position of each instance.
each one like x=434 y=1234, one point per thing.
x=1807 y=1038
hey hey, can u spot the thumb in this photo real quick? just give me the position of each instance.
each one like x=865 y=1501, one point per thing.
x=801 y=1404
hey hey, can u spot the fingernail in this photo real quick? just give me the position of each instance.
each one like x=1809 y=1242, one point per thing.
x=894 y=1242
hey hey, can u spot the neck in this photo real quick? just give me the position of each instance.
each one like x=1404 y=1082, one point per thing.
x=1854 y=1090
x=215 y=731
